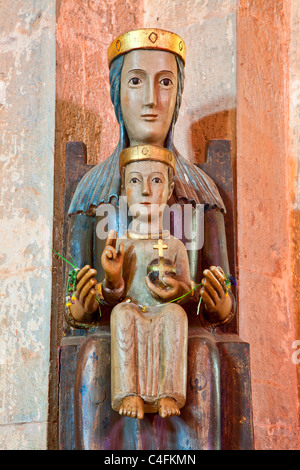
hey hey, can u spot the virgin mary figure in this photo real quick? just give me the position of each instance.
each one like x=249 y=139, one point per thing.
x=146 y=79
x=146 y=74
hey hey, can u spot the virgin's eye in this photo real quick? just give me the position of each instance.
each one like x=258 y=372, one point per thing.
x=166 y=82
x=157 y=180
x=134 y=180
x=135 y=81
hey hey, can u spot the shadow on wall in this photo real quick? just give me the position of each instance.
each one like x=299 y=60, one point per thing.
x=219 y=125
x=74 y=122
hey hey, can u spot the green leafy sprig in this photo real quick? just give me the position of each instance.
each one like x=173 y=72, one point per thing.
x=72 y=274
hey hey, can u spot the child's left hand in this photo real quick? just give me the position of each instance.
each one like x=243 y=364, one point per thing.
x=170 y=292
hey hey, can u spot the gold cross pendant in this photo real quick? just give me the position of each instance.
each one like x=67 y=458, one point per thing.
x=160 y=246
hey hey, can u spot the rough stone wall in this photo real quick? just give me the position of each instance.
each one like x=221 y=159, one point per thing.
x=27 y=94
x=265 y=166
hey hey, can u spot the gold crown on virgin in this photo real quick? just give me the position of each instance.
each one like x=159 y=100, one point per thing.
x=147 y=38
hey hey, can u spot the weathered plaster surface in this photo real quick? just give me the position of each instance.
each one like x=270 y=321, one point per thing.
x=264 y=168
x=27 y=86
x=26 y=436
x=295 y=169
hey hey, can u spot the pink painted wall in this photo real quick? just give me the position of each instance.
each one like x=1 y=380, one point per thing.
x=264 y=165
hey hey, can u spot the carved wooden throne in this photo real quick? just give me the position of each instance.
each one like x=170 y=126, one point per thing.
x=116 y=432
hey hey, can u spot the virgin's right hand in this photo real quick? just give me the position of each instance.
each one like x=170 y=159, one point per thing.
x=85 y=303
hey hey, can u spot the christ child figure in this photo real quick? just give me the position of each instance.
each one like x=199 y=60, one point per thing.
x=146 y=272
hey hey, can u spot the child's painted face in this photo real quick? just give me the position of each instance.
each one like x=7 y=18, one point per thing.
x=147 y=187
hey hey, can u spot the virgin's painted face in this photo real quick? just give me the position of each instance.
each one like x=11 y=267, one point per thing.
x=148 y=95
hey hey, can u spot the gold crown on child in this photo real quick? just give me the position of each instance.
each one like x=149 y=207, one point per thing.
x=146 y=152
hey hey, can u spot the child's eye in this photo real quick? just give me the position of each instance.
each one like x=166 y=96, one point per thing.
x=135 y=81
x=134 y=180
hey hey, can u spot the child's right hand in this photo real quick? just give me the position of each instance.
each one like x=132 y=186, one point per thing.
x=112 y=261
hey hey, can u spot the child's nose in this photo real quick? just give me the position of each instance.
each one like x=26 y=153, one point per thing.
x=145 y=187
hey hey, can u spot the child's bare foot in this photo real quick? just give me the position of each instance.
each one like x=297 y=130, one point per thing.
x=167 y=407
x=132 y=406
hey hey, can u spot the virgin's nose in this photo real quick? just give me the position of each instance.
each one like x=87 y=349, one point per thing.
x=145 y=187
x=150 y=93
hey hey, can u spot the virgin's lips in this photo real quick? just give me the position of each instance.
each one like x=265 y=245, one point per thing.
x=149 y=116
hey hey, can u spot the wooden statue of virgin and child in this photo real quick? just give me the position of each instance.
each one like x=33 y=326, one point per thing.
x=145 y=275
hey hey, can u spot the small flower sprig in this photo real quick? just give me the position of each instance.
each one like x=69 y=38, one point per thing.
x=71 y=286
x=228 y=281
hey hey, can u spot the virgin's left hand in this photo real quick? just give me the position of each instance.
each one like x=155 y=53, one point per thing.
x=214 y=293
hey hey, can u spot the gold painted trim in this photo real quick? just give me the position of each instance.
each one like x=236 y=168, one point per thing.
x=147 y=38
x=146 y=152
